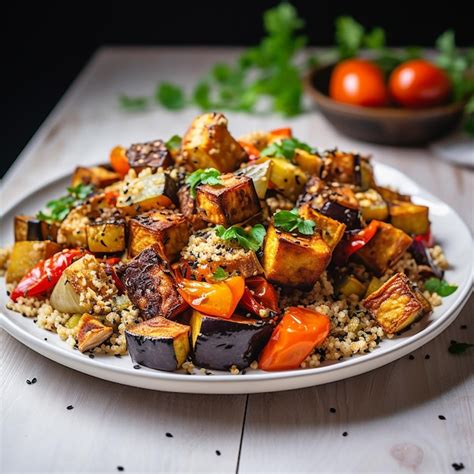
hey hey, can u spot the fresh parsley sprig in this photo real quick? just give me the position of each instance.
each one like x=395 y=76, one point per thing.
x=209 y=176
x=290 y=221
x=133 y=103
x=251 y=240
x=441 y=287
x=285 y=148
x=220 y=274
x=459 y=347
x=174 y=143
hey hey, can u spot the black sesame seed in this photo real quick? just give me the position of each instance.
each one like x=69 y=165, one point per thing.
x=464 y=326
x=332 y=410
x=34 y=380
x=136 y=366
x=169 y=435
x=458 y=466
x=218 y=452
x=28 y=381
x=411 y=356
x=441 y=417
x=118 y=356
x=69 y=407
x=427 y=356
x=120 y=468
x=345 y=433
x=45 y=338
x=91 y=356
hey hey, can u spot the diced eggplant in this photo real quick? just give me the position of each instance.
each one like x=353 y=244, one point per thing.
x=411 y=218
x=106 y=235
x=27 y=228
x=187 y=207
x=349 y=217
x=422 y=256
x=98 y=176
x=167 y=230
x=26 y=254
x=222 y=343
x=91 y=333
x=233 y=201
x=396 y=304
x=73 y=230
x=152 y=155
x=158 y=343
x=150 y=285
x=260 y=174
x=309 y=162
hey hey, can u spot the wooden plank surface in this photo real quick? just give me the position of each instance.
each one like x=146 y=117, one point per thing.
x=390 y=415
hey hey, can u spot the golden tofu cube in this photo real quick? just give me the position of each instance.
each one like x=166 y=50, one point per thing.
x=308 y=162
x=233 y=201
x=91 y=333
x=167 y=230
x=411 y=218
x=106 y=235
x=293 y=259
x=96 y=175
x=385 y=248
x=396 y=304
x=208 y=144
x=331 y=230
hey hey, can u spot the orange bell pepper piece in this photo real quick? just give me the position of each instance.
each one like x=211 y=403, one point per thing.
x=119 y=160
x=279 y=134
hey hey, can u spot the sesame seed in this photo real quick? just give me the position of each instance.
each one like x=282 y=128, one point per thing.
x=427 y=356
x=441 y=417
x=28 y=381
x=120 y=468
x=458 y=466
x=69 y=407
x=411 y=356
x=345 y=433
x=169 y=435
x=218 y=452
x=136 y=366
x=34 y=380
x=332 y=410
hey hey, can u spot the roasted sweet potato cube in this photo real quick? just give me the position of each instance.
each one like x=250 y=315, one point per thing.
x=150 y=285
x=396 y=304
x=233 y=201
x=91 y=333
x=385 y=248
x=293 y=259
x=149 y=155
x=167 y=230
x=341 y=167
x=372 y=205
x=97 y=175
x=411 y=218
x=106 y=235
x=391 y=195
x=187 y=207
x=208 y=144
x=331 y=230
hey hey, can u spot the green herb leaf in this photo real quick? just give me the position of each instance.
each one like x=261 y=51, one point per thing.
x=220 y=274
x=459 y=347
x=174 y=143
x=170 y=96
x=202 y=95
x=441 y=287
x=285 y=148
x=251 y=240
x=349 y=36
x=133 y=103
x=291 y=221
x=209 y=176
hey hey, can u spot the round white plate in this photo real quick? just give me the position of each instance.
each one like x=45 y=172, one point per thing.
x=448 y=229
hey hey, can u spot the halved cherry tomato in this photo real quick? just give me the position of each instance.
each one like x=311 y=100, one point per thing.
x=251 y=150
x=259 y=296
x=216 y=299
x=42 y=278
x=426 y=238
x=279 y=133
x=298 y=333
x=119 y=160
x=358 y=82
x=354 y=243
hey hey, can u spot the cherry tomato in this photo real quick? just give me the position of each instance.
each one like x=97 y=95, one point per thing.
x=119 y=160
x=251 y=150
x=418 y=84
x=259 y=296
x=358 y=82
x=298 y=333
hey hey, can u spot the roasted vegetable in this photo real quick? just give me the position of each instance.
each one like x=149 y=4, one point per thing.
x=152 y=155
x=396 y=304
x=158 y=343
x=27 y=228
x=372 y=206
x=222 y=343
x=411 y=218
x=293 y=259
x=168 y=231
x=73 y=229
x=260 y=174
x=422 y=256
x=260 y=297
x=391 y=195
x=374 y=284
x=234 y=200
x=309 y=162
x=208 y=144
x=350 y=285
x=385 y=248
x=187 y=207
x=150 y=285
x=25 y=255
x=98 y=176
x=106 y=235
x=91 y=333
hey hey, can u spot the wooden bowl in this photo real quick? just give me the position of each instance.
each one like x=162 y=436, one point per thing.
x=384 y=125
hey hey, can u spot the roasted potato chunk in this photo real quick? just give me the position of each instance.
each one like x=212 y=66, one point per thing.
x=152 y=155
x=350 y=168
x=91 y=333
x=167 y=230
x=411 y=218
x=285 y=177
x=293 y=259
x=233 y=201
x=390 y=195
x=385 y=248
x=372 y=205
x=187 y=207
x=106 y=235
x=150 y=285
x=309 y=162
x=98 y=176
x=396 y=304
x=208 y=144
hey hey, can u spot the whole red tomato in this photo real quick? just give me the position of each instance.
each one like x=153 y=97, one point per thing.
x=418 y=84
x=358 y=82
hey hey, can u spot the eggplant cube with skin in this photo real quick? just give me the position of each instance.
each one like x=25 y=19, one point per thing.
x=91 y=333
x=106 y=235
x=293 y=259
x=409 y=217
x=187 y=207
x=167 y=230
x=158 y=343
x=233 y=201
x=396 y=304
x=220 y=343
x=149 y=155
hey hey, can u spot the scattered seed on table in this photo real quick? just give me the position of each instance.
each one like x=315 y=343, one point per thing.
x=463 y=326
x=332 y=410
x=118 y=356
x=91 y=356
x=34 y=380
x=458 y=466
x=427 y=356
x=345 y=433
x=34 y=320
x=45 y=338
x=120 y=468
x=169 y=435
x=441 y=417
x=218 y=452
x=69 y=407
x=28 y=381
x=411 y=356
x=136 y=366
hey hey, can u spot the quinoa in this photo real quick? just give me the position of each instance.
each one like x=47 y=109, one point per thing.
x=5 y=254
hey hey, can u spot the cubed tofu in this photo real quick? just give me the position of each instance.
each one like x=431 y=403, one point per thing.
x=396 y=304
x=293 y=259
x=152 y=155
x=98 y=176
x=150 y=285
x=233 y=201
x=91 y=333
x=106 y=235
x=187 y=207
x=167 y=230
x=208 y=144
x=411 y=218
x=309 y=162
x=331 y=230
x=26 y=254
x=385 y=248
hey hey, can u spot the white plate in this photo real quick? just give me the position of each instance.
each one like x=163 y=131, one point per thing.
x=448 y=229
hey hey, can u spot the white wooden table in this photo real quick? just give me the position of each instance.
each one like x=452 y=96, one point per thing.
x=391 y=415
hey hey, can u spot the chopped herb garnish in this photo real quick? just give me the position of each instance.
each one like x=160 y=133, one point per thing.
x=174 y=143
x=133 y=103
x=220 y=274
x=170 y=96
x=291 y=221
x=459 y=347
x=441 y=287
x=209 y=176
x=285 y=148
x=251 y=240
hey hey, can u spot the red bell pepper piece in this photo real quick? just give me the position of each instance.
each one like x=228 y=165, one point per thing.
x=259 y=296
x=426 y=238
x=42 y=278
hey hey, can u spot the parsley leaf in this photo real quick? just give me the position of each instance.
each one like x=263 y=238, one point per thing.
x=220 y=274
x=251 y=240
x=459 y=347
x=170 y=96
x=441 y=287
x=209 y=176
x=291 y=221
x=133 y=103
x=174 y=143
x=285 y=148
